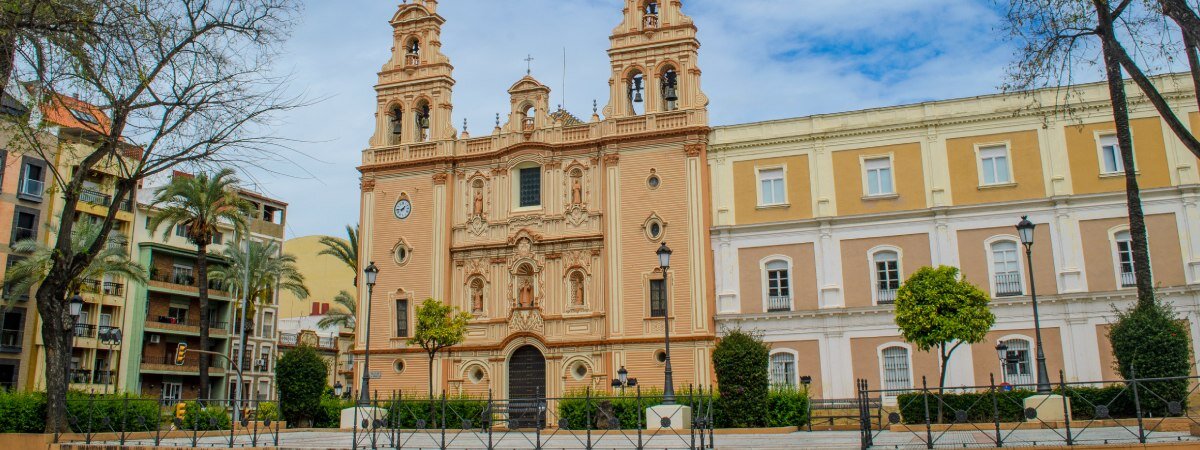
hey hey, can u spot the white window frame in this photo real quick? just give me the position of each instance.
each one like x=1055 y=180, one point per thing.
x=173 y=386
x=762 y=269
x=758 y=176
x=980 y=148
x=866 y=184
x=890 y=398
x=515 y=182
x=1115 y=251
x=1099 y=136
x=1031 y=360
x=991 y=261
x=875 y=271
x=795 y=367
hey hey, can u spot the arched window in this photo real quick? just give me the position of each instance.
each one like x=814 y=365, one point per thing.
x=670 y=89
x=1006 y=269
x=422 y=121
x=1124 y=243
x=783 y=370
x=650 y=14
x=577 y=289
x=897 y=371
x=887 y=276
x=396 y=120
x=412 y=52
x=779 y=286
x=1018 y=361
x=636 y=88
x=528 y=118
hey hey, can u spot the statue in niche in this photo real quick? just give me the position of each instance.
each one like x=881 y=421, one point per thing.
x=478 y=209
x=576 y=189
x=578 y=291
x=525 y=299
x=476 y=296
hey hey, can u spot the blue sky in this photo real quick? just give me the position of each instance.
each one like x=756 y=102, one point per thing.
x=761 y=60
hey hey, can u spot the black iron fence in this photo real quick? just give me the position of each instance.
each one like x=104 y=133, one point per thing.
x=143 y=422
x=1135 y=411
x=588 y=421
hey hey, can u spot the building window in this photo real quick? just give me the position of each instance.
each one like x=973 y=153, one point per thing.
x=658 y=298
x=783 y=370
x=635 y=88
x=779 y=289
x=887 y=276
x=32 y=184
x=264 y=390
x=268 y=324
x=1125 y=258
x=172 y=391
x=771 y=187
x=993 y=165
x=529 y=186
x=1017 y=362
x=896 y=370
x=1006 y=270
x=422 y=121
x=396 y=119
x=181 y=230
x=264 y=359
x=24 y=226
x=218 y=238
x=879 y=176
x=1110 y=155
x=402 y=318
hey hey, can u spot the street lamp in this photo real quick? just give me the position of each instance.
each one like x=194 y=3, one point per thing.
x=623 y=381
x=75 y=307
x=1002 y=353
x=337 y=389
x=369 y=275
x=664 y=263
x=1025 y=231
x=112 y=338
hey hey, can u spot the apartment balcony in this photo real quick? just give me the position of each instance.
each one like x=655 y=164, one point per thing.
x=779 y=304
x=173 y=325
x=885 y=296
x=321 y=343
x=83 y=330
x=103 y=200
x=1008 y=284
x=81 y=376
x=11 y=341
x=165 y=364
x=1128 y=280
x=185 y=282
x=31 y=189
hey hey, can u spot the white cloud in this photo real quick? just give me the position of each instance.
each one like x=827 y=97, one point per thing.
x=762 y=60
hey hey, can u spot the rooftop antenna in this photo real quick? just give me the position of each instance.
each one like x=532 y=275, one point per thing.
x=563 y=96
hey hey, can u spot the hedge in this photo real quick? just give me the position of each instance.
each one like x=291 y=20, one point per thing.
x=205 y=418
x=786 y=407
x=406 y=412
x=25 y=412
x=1117 y=398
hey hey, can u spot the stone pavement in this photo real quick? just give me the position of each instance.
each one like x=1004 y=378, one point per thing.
x=601 y=440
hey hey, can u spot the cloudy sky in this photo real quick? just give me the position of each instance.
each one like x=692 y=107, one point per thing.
x=762 y=60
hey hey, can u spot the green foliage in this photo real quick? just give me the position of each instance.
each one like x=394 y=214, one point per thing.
x=405 y=413
x=345 y=250
x=209 y=418
x=1117 y=398
x=330 y=413
x=122 y=411
x=1151 y=341
x=438 y=326
x=628 y=408
x=270 y=270
x=935 y=306
x=740 y=360
x=112 y=259
x=22 y=412
x=787 y=407
x=344 y=311
x=300 y=376
x=201 y=204
x=267 y=411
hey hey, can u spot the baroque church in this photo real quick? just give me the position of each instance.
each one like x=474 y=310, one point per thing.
x=546 y=229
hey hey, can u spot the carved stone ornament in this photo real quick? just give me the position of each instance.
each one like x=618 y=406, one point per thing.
x=368 y=185
x=440 y=178
x=477 y=225
x=693 y=150
x=529 y=320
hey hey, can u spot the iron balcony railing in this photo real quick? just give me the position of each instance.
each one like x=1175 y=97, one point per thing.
x=113 y=288
x=10 y=340
x=108 y=332
x=1128 y=280
x=84 y=330
x=32 y=187
x=1008 y=284
x=212 y=323
x=81 y=376
x=288 y=338
x=779 y=303
x=90 y=285
x=102 y=377
x=95 y=197
x=886 y=296
x=191 y=360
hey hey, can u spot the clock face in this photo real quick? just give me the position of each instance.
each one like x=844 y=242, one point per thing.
x=403 y=209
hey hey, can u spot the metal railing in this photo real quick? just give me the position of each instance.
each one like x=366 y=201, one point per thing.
x=32 y=187
x=84 y=330
x=113 y=288
x=90 y=285
x=1008 y=284
x=131 y=421
x=886 y=296
x=190 y=362
x=779 y=304
x=95 y=197
x=212 y=323
x=1128 y=279
x=81 y=376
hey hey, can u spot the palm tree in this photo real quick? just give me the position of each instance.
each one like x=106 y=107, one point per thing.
x=341 y=317
x=269 y=270
x=112 y=259
x=345 y=250
x=200 y=204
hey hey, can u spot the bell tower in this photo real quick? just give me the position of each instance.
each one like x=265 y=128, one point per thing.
x=654 y=55
x=415 y=86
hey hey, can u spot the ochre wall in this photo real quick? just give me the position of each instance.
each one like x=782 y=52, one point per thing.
x=1099 y=253
x=1149 y=152
x=856 y=264
x=987 y=362
x=907 y=174
x=865 y=357
x=973 y=258
x=797 y=182
x=1024 y=157
x=808 y=361
x=803 y=276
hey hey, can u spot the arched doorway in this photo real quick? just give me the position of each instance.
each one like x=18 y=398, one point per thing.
x=526 y=385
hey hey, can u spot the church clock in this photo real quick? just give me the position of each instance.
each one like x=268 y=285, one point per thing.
x=403 y=209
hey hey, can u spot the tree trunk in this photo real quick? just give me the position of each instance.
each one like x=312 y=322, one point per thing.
x=432 y=355
x=202 y=287
x=8 y=49
x=1184 y=17
x=942 y=380
x=1133 y=198
x=57 y=336
x=1193 y=64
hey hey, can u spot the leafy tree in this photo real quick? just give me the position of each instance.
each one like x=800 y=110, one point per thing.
x=112 y=259
x=345 y=250
x=438 y=326
x=935 y=307
x=1151 y=341
x=200 y=204
x=740 y=360
x=345 y=315
x=269 y=270
x=300 y=376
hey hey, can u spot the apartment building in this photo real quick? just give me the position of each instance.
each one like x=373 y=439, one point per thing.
x=818 y=220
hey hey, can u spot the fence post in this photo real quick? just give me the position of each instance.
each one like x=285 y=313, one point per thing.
x=1062 y=382
x=691 y=426
x=638 y=414
x=443 y=447
x=995 y=409
x=354 y=424
x=928 y=426
x=87 y=435
x=537 y=427
x=712 y=417
x=1137 y=403
x=863 y=421
x=236 y=413
x=587 y=414
x=124 y=418
x=372 y=406
x=196 y=425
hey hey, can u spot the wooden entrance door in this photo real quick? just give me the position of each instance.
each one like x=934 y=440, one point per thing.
x=526 y=387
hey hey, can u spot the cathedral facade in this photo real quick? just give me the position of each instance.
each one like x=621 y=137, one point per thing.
x=546 y=229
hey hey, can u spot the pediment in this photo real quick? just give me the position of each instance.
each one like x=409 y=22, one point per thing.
x=527 y=83
x=409 y=12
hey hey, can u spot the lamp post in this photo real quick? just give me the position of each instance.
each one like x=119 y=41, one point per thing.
x=111 y=337
x=337 y=389
x=1002 y=353
x=369 y=275
x=623 y=381
x=75 y=309
x=1025 y=231
x=664 y=262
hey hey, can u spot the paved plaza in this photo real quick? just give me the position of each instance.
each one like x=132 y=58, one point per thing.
x=601 y=440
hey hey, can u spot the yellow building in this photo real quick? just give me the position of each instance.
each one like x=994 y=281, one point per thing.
x=545 y=229
x=324 y=275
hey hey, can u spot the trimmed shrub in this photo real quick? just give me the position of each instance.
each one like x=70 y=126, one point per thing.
x=787 y=407
x=267 y=411
x=1151 y=341
x=115 y=412
x=628 y=408
x=22 y=412
x=205 y=418
x=740 y=360
x=330 y=414
x=300 y=376
x=978 y=405
x=406 y=412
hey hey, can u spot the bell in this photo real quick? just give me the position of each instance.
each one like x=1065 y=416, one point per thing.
x=637 y=96
x=397 y=127
x=637 y=89
x=423 y=121
x=670 y=94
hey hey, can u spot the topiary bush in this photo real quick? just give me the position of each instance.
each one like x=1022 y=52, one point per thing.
x=330 y=413
x=1150 y=341
x=740 y=360
x=406 y=412
x=22 y=412
x=113 y=412
x=300 y=376
x=205 y=418
x=787 y=407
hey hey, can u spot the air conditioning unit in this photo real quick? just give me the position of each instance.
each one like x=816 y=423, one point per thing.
x=155 y=338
